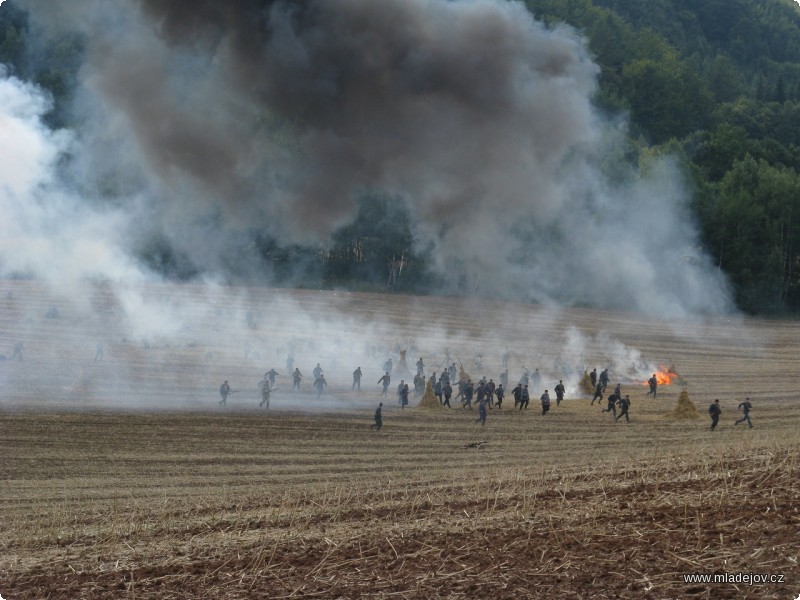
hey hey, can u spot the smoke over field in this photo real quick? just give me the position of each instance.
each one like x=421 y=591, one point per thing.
x=202 y=124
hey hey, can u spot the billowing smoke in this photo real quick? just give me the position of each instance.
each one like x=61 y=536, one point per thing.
x=203 y=121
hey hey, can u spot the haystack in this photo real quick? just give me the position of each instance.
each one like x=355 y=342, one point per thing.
x=685 y=408
x=586 y=384
x=429 y=399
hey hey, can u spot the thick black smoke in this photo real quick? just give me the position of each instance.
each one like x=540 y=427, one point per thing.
x=222 y=116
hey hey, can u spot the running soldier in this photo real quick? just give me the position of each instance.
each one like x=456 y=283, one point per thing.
x=499 y=392
x=517 y=393
x=224 y=390
x=536 y=380
x=320 y=384
x=653 y=382
x=317 y=372
x=593 y=377
x=624 y=404
x=483 y=410
x=272 y=374
x=18 y=348
x=524 y=398
x=420 y=366
x=385 y=381
x=604 y=379
x=598 y=393
x=490 y=391
x=404 y=396
x=378 y=418
x=745 y=407
x=437 y=390
x=296 y=377
x=388 y=366
x=560 y=391
x=265 y=392
x=447 y=390
x=612 y=404
x=400 y=389
x=469 y=390
x=714 y=412
x=357 y=379
x=504 y=378
x=545 y=398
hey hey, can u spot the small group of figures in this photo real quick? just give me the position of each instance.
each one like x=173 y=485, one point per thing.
x=715 y=411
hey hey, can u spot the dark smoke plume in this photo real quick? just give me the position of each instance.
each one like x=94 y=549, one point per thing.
x=222 y=116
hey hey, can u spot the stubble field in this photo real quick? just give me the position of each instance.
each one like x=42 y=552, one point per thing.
x=122 y=477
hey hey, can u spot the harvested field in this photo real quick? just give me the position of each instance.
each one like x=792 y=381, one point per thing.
x=124 y=478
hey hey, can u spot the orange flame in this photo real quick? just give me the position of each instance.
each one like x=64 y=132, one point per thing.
x=665 y=376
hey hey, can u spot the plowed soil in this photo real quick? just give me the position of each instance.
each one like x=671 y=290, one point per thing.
x=123 y=477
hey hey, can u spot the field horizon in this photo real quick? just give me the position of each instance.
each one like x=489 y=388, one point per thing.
x=123 y=477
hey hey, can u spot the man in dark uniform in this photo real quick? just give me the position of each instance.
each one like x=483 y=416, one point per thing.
x=598 y=393
x=404 y=396
x=388 y=366
x=317 y=372
x=560 y=391
x=504 y=378
x=400 y=389
x=469 y=390
x=593 y=377
x=624 y=405
x=320 y=383
x=357 y=379
x=438 y=388
x=420 y=366
x=490 y=389
x=224 y=390
x=265 y=392
x=612 y=404
x=296 y=377
x=604 y=379
x=545 y=398
x=447 y=390
x=517 y=393
x=483 y=410
x=378 y=418
x=714 y=411
x=272 y=374
x=745 y=407
x=653 y=385
x=385 y=381
x=524 y=398
x=499 y=392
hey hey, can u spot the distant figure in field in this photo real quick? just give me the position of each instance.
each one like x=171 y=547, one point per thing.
x=404 y=396
x=517 y=393
x=400 y=388
x=624 y=404
x=525 y=398
x=419 y=384
x=593 y=377
x=297 y=376
x=483 y=411
x=317 y=372
x=378 y=418
x=224 y=391
x=420 y=366
x=272 y=374
x=745 y=407
x=452 y=372
x=265 y=392
x=98 y=351
x=598 y=393
x=17 y=349
x=289 y=363
x=385 y=381
x=604 y=379
x=388 y=366
x=506 y=357
x=560 y=391
x=714 y=412
x=52 y=313
x=357 y=379
x=653 y=382
x=504 y=378
x=469 y=391
x=499 y=392
x=525 y=379
x=545 y=398
x=319 y=384
x=438 y=389
x=612 y=404
x=447 y=391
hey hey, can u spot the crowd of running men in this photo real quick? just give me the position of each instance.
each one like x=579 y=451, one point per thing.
x=485 y=394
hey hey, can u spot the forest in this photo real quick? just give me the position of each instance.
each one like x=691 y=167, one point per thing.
x=714 y=83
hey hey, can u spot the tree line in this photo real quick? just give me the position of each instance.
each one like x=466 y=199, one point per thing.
x=715 y=83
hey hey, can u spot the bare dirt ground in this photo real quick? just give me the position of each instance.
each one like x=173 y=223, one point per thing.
x=124 y=478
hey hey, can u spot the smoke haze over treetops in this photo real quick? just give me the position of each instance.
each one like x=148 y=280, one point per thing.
x=205 y=121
